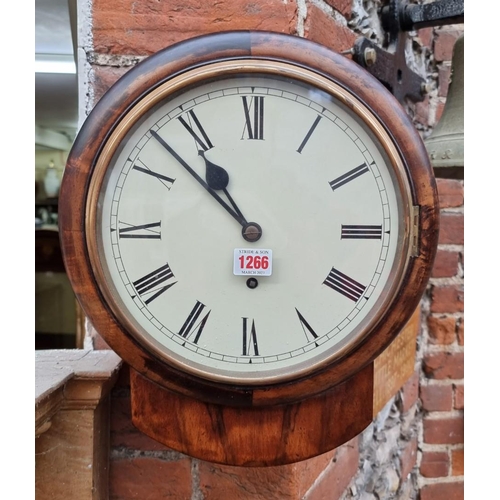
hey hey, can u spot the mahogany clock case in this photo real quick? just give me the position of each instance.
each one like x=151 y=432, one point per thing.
x=358 y=90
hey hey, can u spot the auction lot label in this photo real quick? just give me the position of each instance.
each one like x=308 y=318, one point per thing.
x=253 y=262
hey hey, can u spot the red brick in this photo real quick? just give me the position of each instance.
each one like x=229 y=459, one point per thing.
x=444 y=79
x=425 y=36
x=460 y=331
x=435 y=464
x=421 y=114
x=439 y=111
x=287 y=482
x=409 y=392
x=451 y=229
x=218 y=481
x=444 y=43
x=308 y=471
x=342 y=6
x=444 y=430
x=142 y=28
x=459 y=396
x=442 y=329
x=444 y=365
x=337 y=477
x=450 y=192
x=445 y=264
x=321 y=28
x=443 y=491
x=408 y=458
x=144 y=477
x=436 y=397
x=457 y=462
x=447 y=299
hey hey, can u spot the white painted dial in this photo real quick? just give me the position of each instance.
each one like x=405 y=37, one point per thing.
x=238 y=153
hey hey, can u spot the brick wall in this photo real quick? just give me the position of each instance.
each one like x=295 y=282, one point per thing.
x=414 y=448
x=441 y=393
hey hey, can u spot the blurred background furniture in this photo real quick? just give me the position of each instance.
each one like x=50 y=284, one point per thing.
x=58 y=316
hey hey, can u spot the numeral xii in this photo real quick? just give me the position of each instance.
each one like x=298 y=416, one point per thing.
x=254 y=121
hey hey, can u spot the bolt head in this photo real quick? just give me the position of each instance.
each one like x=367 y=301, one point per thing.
x=370 y=56
x=425 y=88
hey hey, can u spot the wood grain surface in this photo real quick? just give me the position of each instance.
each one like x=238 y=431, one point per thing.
x=264 y=436
x=282 y=411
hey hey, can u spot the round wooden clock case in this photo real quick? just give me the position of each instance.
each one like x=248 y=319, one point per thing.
x=249 y=219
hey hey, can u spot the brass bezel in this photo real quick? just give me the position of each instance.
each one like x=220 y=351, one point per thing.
x=220 y=70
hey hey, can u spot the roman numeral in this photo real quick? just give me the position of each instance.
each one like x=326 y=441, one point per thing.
x=249 y=339
x=361 y=232
x=344 y=285
x=309 y=133
x=149 y=231
x=254 y=122
x=151 y=283
x=308 y=330
x=190 y=326
x=349 y=176
x=140 y=166
x=204 y=141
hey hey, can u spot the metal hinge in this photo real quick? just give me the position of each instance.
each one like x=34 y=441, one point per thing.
x=388 y=64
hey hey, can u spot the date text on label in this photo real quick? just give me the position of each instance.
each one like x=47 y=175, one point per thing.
x=252 y=262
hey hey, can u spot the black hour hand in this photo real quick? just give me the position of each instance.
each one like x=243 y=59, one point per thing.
x=217 y=178
x=251 y=231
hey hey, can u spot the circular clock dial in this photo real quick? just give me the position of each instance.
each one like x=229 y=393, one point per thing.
x=249 y=227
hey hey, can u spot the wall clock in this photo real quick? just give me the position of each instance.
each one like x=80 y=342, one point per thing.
x=249 y=220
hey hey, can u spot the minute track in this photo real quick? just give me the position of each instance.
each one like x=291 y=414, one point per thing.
x=274 y=180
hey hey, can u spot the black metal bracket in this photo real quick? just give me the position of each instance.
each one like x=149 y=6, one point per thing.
x=397 y=18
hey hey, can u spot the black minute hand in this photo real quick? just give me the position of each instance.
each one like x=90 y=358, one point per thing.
x=235 y=214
